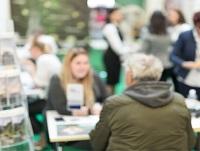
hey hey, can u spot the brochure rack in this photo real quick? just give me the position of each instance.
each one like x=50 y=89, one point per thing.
x=15 y=128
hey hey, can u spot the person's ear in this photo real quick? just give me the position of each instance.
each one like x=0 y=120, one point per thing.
x=129 y=78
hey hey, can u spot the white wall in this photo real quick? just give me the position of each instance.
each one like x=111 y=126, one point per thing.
x=6 y=23
x=4 y=9
x=152 y=5
x=188 y=7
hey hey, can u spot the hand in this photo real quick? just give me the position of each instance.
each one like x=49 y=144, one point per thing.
x=198 y=64
x=96 y=109
x=83 y=111
x=191 y=64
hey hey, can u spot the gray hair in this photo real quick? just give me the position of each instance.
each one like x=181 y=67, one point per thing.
x=144 y=67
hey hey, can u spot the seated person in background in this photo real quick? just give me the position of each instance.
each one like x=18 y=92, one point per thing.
x=147 y=116
x=45 y=66
x=48 y=41
x=76 y=70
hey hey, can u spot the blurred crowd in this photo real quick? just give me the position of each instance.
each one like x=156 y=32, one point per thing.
x=166 y=35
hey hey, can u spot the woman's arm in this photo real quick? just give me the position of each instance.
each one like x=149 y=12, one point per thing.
x=56 y=96
x=176 y=53
x=58 y=101
x=99 y=89
x=111 y=34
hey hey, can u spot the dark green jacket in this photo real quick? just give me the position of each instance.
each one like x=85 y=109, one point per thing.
x=147 y=117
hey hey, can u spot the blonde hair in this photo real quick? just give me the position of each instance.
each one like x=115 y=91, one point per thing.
x=36 y=43
x=67 y=77
x=144 y=67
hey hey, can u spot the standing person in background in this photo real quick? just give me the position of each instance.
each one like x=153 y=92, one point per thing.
x=177 y=23
x=148 y=116
x=45 y=66
x=186 y=58
x=116 y=48
x=156 y=41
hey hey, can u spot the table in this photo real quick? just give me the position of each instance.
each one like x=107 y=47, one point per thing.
x=76 y=128
x=195 y=105
x=64 y=128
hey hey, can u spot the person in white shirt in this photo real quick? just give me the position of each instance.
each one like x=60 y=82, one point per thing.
x=46 y=65
x=116 y=48
x=48 y=40
x=177 y=23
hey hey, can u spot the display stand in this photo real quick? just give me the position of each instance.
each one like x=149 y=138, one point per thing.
x=15 y=128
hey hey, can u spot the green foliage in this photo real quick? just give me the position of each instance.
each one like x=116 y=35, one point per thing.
x=60 y=17
x=127 y=2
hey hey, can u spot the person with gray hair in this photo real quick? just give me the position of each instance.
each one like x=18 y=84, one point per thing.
x=148 y=115
x=144 y=67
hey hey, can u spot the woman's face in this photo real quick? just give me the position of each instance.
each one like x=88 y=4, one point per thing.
x=80 y=66
x=173 y=17
x=116 y=16
x=35 y=52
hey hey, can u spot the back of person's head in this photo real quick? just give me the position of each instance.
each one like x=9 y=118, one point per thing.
x=158 y=23
x=144 y=67
x=196 y=19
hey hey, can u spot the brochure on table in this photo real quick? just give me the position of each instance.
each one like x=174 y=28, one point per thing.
x=75 y=96
x=64 y=128
x=76 y=125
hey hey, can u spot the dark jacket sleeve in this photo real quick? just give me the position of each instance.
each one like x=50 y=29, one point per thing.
x=56 y=97
x=99 y=89
x=175 y=56
x=190 y=133
x=189 y=129
x=100 y=135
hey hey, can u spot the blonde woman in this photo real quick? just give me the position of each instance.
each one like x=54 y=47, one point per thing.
x=44 y=67
x=76 y=70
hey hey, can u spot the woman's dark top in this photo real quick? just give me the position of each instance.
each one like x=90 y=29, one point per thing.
x=57 y=100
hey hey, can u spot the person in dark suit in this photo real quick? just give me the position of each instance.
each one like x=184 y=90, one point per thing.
x=186 y=58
